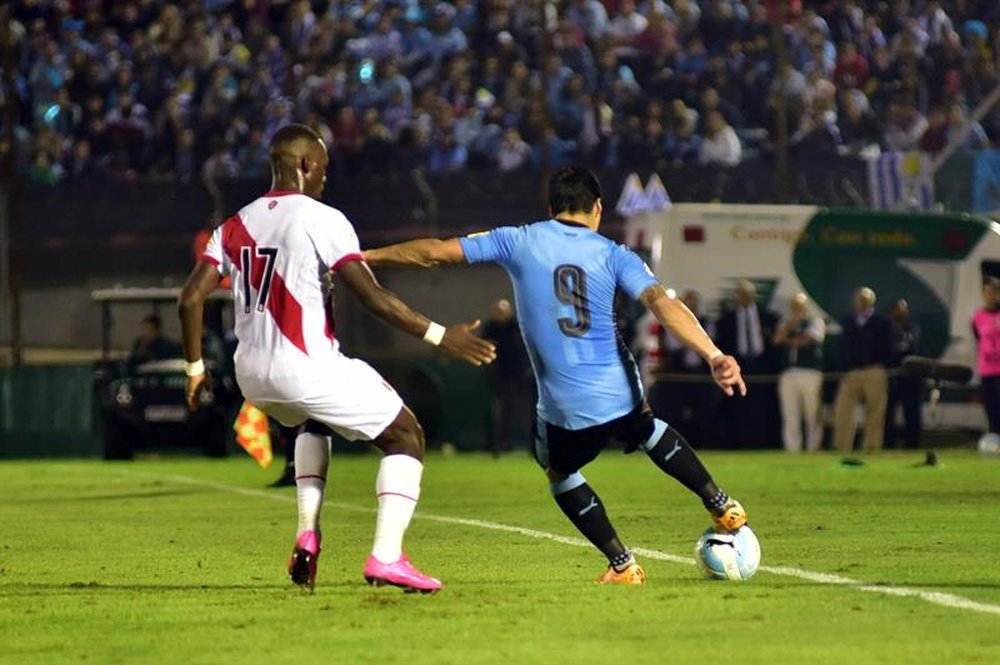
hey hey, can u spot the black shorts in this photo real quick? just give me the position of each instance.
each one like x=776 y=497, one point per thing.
x=567 y=450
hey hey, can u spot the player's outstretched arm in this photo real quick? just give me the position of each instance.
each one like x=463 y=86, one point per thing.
x=423 y=253
x=675 y=316
x=458 y=341
x=191 y=308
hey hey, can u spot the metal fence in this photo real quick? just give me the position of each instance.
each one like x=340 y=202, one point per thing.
x=128 y=228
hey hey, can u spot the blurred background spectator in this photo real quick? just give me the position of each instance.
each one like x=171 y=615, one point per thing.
x=799 y=340
x=904 y=391
x=510 y=379
x=151 y=344
x=865 y=352
x=747 y=331
x=138 y=88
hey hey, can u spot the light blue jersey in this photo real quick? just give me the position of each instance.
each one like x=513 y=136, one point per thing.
x=565 y=278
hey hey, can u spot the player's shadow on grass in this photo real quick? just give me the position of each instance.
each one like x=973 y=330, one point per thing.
x=156 y=494
x=83 y=588
x=79 y=588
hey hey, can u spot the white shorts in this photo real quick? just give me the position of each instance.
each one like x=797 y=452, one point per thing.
x=345 y=394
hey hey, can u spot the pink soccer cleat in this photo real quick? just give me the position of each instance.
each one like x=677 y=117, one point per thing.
x=402 y=573
x=302 y=565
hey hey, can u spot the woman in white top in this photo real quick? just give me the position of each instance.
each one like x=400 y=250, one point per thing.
x=721 y=145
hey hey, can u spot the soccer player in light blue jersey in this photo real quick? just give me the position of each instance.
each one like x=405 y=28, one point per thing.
x=565 y=278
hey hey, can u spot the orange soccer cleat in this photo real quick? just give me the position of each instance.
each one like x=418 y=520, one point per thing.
x=730 y=518
x=634 y=574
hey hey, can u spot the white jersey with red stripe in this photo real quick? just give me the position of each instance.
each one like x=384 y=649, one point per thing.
x=276 y=250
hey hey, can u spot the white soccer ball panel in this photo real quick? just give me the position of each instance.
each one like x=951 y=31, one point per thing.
x=728 y=556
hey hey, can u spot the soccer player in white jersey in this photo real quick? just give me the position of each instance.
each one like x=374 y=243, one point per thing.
x=279 y=251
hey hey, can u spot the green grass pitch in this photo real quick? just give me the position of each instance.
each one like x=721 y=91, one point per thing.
x=182 y=561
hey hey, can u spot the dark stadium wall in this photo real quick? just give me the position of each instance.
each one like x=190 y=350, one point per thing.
x=63 y=315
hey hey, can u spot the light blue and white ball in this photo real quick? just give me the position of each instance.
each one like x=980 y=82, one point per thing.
x=728 y=556
x=989 y=444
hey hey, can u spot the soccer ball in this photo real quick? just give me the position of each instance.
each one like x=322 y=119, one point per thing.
x=989 y=444
x=728 y=556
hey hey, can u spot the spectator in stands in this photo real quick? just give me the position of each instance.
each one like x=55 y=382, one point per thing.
x=220 y=165
x=865 y=352
x=513 y=154
x=625 y=28
x=934 y=22
x=799 y=340
x=721 y=146
x=906 y=126
x=447 y=154
x=44 y=170
x=81 y=165
x=568 y=112
x=683 y=145
x=442 y=38
x=590 y=16
x=64 y=115
x=858 y=127
x=712 y=101
x=935 y=137
x=817 y=136
x=186 y=159
x=976 y=138
x=384 y=43
x=882 y=79
x=252 y=155
x=852 y=68
x=132 y=79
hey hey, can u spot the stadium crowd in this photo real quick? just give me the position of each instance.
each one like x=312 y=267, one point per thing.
x=191 y=89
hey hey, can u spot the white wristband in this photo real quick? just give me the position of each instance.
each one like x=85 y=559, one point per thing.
x=195 y=368
x=716 y=354
x=434 y=334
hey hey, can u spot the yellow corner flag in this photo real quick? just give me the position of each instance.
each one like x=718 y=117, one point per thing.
x=253 y=433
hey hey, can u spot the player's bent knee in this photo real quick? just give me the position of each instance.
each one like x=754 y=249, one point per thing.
x=404 y=436
x=560 y=483
x=555 y=476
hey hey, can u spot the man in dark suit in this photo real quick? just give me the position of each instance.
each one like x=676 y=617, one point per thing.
x=905 y=391
x=510 y=381
x=692 y=406
x=748 y=330
x=865 y=352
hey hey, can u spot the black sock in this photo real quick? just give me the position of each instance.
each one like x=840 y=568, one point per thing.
x=677 y=459
x=584 y=509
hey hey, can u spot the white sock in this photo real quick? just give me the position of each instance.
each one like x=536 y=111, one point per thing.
x=398 y=489
x=312 y=457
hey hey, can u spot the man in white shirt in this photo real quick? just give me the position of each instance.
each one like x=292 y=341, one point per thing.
x=800 y=341
x=720 y=146
x=280 y=251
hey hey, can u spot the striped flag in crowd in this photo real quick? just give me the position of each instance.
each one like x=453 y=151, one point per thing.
x=901 y=181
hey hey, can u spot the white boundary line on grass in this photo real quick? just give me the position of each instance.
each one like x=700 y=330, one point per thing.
x=934 y=597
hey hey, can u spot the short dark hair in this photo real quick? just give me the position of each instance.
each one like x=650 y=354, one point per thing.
x=153 y=320
x=573 y=189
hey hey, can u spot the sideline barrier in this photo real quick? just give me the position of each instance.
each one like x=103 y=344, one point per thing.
x=47 y=411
